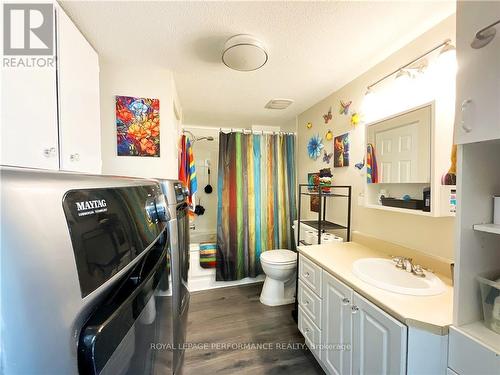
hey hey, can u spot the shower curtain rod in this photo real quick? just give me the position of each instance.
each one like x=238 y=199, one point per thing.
x=240 y=130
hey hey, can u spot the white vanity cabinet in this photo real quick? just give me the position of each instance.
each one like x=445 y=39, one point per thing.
x=354 y=336
x=51 y=116
x=337 y=324
x=378 y=340
x=478 y=77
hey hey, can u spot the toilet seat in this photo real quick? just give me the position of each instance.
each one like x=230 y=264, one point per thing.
x=279 y=257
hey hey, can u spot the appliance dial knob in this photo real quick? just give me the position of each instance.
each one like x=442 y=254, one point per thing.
x=161 y=208
x=151 y=210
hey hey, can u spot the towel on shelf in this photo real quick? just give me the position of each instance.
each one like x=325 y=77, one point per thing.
x=371 y=165
x=208 y=253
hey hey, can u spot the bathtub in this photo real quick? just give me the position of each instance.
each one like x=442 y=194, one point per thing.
x=201 y=278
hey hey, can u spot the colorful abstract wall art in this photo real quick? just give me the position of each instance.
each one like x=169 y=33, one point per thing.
x=138 y=126
x=341 y=151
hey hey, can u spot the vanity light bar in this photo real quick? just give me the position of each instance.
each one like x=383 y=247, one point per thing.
x=446 y=47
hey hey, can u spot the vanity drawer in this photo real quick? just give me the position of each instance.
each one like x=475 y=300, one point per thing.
x=311 y=333
x=310 y=274
x=467 y=356
x=310 y=303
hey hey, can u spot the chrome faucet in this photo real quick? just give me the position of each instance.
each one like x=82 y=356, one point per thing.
x=407 y=265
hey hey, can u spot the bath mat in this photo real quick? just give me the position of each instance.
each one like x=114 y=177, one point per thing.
x=208 y=252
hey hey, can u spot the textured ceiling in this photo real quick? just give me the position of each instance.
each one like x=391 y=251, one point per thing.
x=314 y=48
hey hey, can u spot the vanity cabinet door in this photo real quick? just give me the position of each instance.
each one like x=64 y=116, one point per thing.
x=379 y=340
x=477 y=115
x=336 y=326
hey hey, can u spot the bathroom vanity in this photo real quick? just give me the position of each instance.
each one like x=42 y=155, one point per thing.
x=354 y=327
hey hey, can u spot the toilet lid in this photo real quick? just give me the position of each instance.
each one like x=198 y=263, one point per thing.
x=279 y=256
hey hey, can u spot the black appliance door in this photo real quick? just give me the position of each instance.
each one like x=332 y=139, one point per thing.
x=117 y=337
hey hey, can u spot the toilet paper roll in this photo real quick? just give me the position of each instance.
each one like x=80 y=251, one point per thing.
x=328 y=238
x=311 y=237
x=496 y=209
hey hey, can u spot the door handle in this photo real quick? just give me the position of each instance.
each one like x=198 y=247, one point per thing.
x=354 y=309
x=465 y=126
x=74 y=157
x=484 y=36
x=345 y=301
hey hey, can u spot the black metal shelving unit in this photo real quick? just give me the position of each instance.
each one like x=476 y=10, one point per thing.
x=321 y=224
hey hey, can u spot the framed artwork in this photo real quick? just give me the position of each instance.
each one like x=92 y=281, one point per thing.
x=341 y=151
x=138 y=126
x=312 y=179
x=315 y=203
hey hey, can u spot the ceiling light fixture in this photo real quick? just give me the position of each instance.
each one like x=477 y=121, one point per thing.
x=445 y=46
x=244 y=53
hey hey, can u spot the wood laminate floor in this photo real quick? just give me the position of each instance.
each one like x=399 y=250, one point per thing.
x=228 y=324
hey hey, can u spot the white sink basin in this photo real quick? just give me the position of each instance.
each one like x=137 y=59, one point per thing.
x=384 y=274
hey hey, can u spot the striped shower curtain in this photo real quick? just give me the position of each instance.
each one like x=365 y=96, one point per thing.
x=256 y=200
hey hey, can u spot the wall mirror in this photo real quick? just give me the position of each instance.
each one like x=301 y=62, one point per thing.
x=402 y=146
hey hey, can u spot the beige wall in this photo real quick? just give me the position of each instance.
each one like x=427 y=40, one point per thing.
x=146 y=83
x=431 y=235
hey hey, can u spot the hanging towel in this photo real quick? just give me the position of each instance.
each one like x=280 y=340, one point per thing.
x=187 y=170
x=208 y=253
x=371 y=165
x=183 y=165
x=193 y=182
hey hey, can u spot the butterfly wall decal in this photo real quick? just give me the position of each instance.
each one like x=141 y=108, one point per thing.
x=344 y=107
x=360 y=165
x=327 y=157
x=328 y=116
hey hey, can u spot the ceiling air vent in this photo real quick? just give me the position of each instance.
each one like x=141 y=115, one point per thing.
x=278 y=103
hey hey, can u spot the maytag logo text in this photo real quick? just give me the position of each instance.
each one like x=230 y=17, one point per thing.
x=91 y=207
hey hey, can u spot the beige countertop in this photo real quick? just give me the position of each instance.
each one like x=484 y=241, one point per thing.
x=430 y=313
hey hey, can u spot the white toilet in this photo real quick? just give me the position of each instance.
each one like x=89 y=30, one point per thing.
x=280 y=267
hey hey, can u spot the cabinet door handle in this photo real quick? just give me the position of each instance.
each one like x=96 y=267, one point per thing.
x=74 y=157
x=345 y=301
x=465 y=126
x=307 y=330
x=484 y=36
x=354 y=309
x=306 y=302
x=49 y=152
x=306 y=274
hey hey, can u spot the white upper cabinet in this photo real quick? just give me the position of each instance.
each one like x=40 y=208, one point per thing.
x=379 y=341
x=478 y=78
x=29 y=118
x=51 y=115
x=78 y=88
